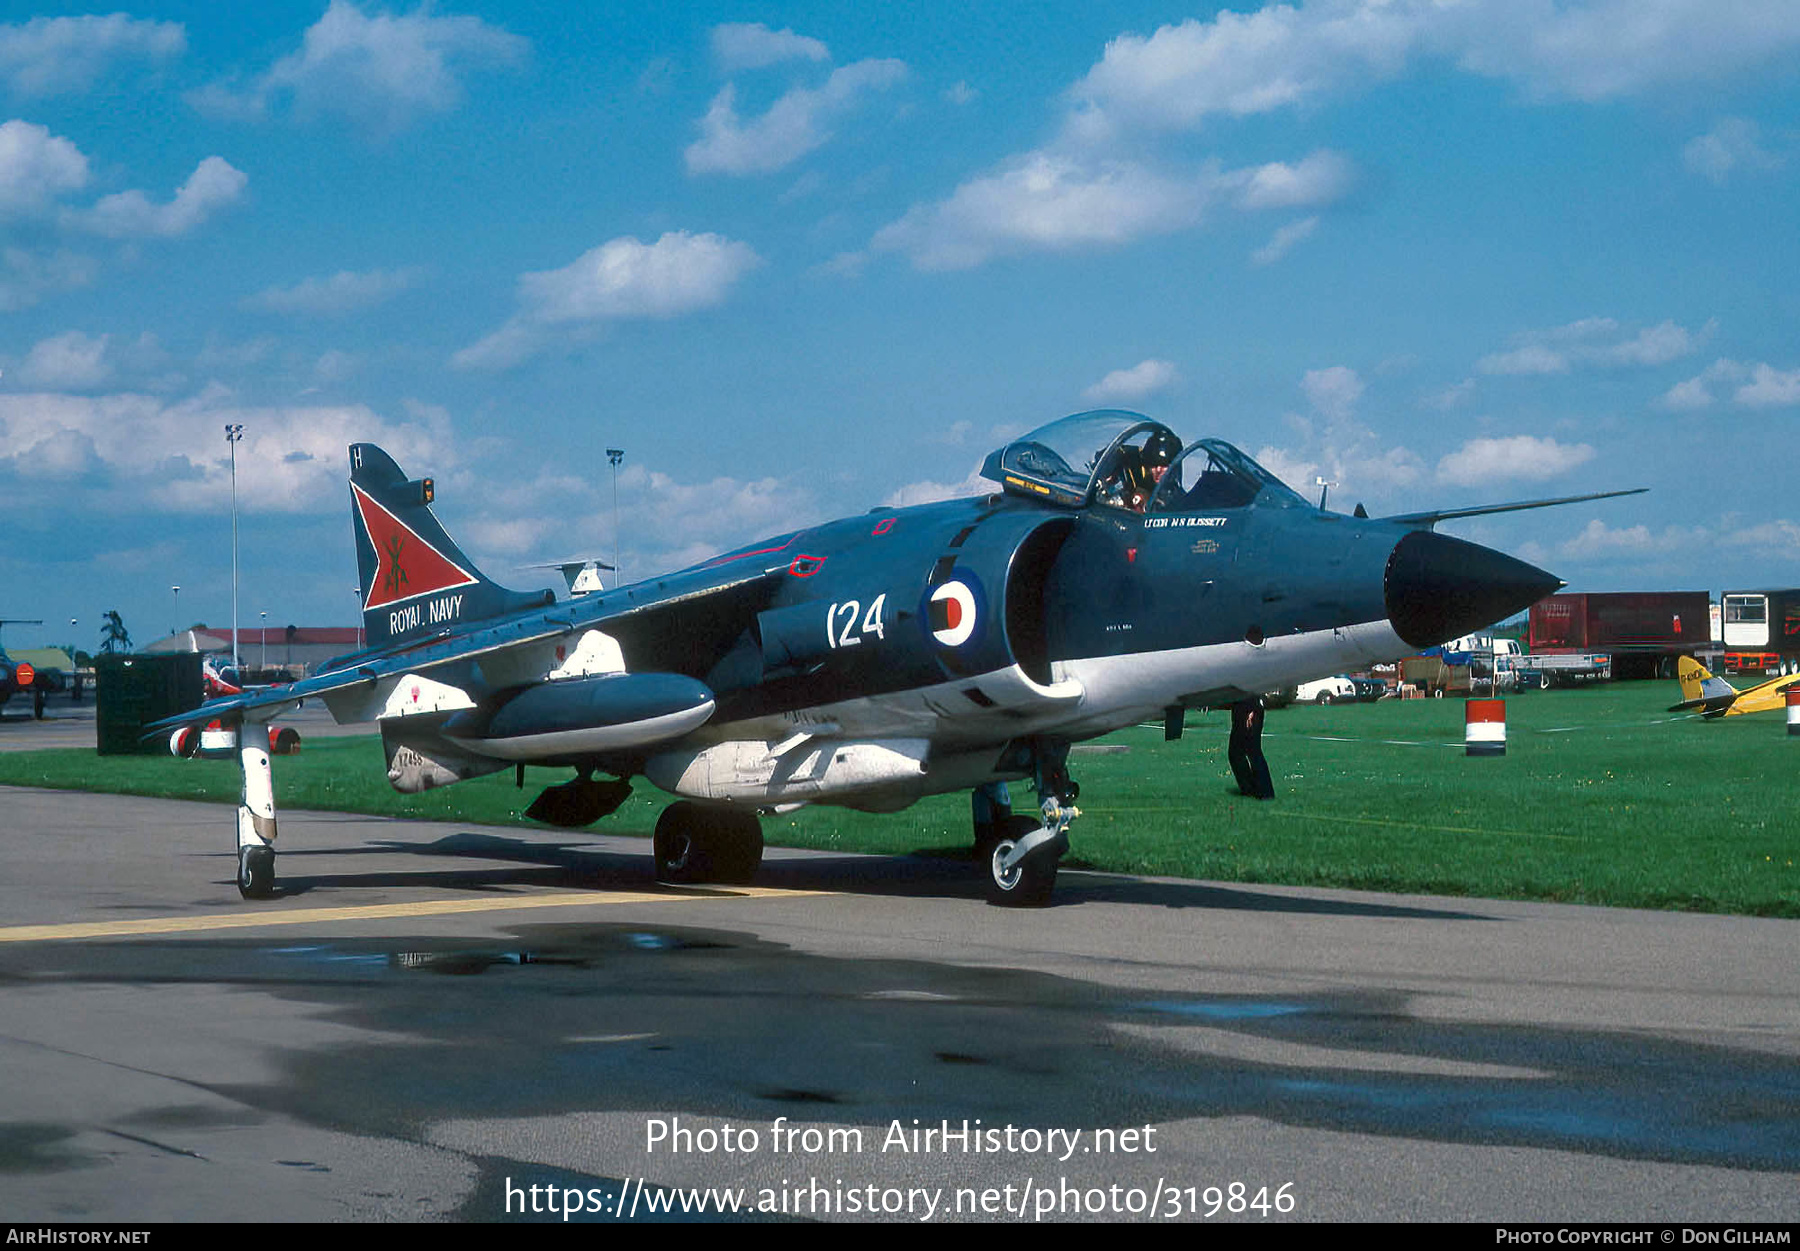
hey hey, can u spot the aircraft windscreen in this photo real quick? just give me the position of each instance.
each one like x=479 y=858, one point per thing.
x=1213 y=474
x=1061 y=461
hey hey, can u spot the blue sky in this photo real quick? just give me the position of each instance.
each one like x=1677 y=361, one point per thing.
x=802 y=260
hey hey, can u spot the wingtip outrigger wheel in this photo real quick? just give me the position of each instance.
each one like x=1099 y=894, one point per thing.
x=255 y=821
x=256 y=872
x=697 y=843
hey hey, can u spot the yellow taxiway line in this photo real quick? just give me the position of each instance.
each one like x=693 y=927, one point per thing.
x=375 y=912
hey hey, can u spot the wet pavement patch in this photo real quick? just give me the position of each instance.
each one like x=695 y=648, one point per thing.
x=1221 y=1009
x=800 y=1096
x=719 y=1024
x=29 y=1147
x=195 y=1116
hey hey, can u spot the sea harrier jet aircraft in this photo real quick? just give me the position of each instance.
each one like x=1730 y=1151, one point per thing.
x=1112 y=575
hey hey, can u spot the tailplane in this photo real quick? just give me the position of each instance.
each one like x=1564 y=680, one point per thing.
x=1700 y=689
x=414 y=579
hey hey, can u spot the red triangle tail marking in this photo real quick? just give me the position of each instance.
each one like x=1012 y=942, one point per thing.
x=406 y=566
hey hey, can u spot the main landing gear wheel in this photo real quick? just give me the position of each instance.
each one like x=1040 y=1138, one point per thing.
x=695 y=843
x=1028 y=883
x=256 y=872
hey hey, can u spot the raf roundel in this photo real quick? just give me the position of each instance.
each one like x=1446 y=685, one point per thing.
x=952 y=613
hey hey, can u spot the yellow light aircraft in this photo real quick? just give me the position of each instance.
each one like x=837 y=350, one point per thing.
x=1715 y=697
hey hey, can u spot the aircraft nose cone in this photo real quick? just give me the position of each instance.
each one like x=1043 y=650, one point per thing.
x=1439 y=588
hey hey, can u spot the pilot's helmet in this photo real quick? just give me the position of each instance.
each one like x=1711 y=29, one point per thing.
x=1163 y=447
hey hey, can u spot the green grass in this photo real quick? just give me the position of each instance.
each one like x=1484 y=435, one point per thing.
x=1602 y=798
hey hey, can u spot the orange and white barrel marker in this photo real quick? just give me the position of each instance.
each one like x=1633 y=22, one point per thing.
x=1484 y=727
x=1793 y=709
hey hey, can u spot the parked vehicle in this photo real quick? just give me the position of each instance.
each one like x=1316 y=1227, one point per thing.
x=1332 y=690
x=1506 y=671
x=1630 y=634
x=1432 y=676
x=1760 y=631
x=1541 y=672
x=1492 y=663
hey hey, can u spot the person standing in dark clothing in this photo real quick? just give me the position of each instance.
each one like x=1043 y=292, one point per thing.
x=1245 y=752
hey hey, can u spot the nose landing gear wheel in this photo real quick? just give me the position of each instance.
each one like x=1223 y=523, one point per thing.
x=1028 y=883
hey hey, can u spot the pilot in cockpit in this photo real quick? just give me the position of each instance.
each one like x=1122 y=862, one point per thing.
x=1137 y=471
x=1159 y=453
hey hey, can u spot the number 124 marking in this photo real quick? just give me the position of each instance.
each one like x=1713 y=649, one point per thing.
x=841 y=628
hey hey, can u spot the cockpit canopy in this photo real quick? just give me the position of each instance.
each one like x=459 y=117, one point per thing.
x=1125 y=460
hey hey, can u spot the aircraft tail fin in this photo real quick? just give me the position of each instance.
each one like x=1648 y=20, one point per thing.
x=413 y=577
x=1700 y=689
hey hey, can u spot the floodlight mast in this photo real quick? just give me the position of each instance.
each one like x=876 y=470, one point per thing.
x=234 y=434
x=613 y=456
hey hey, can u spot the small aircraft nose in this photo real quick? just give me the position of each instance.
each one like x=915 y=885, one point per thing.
x=1439 y=588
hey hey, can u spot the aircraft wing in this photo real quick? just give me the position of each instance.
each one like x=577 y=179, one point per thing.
x=641 y=609
x=1764 y=697
x=1430 y=519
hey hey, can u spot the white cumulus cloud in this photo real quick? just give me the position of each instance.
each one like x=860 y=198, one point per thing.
x=1757 y=386
x=752 y=45
x=1533 y=358
x=1287 y=55
x=1734 y=144
x=291 y=458
x=1046 y=201
x=71 y=361
x=1333 y=444
x=1687 y=397
x=382 y=72
x=1450 y=397
x=1593 y=341
x=1284 y=240
x=931 y=492
x=1321 y=178
x=36 y=167
x=1142 y=379
x=49 y=56
x=1654 y=345
x=621 y=279
x=672 y=522
x=1769 y=388
x=343 y=292
x=26 y=276
x=1333 y=391
x=1599 y=541
x=213 y=185
x=794 y=125
x=1518 y=457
